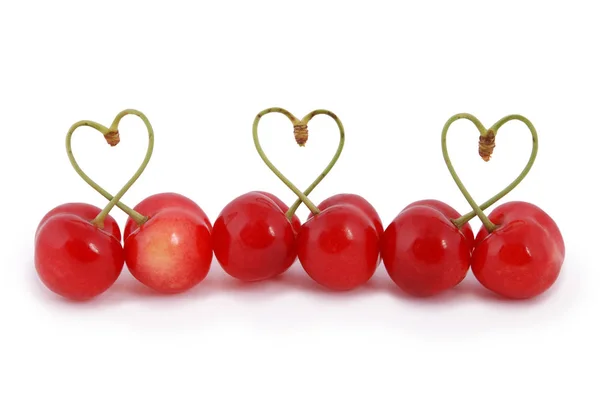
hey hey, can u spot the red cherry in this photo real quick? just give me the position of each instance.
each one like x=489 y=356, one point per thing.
x=338 y=248
x=76 y=259
x=155 y=203
x=252 y=238
x=296 y=224
x=171 y=252
x=521 y=258
x=355 y=200
x=423 y=252
x=85 y=211
x=449 y=212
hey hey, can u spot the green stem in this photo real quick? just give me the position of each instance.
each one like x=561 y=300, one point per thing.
x=333 y=161
x=99 y=220
x=111 y=135
x=265 y=159
x=105 y=131
x=478 y=210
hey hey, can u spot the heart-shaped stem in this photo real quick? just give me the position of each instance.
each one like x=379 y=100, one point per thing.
x=272 y=167
x=304 y=131
x=112 y=138
x=301 y=136
x=486 y=148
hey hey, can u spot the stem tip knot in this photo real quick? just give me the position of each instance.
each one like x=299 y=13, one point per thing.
x=112 y=138
x=301 y=134
x=487 y=144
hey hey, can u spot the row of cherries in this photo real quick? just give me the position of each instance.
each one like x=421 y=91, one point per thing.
x=168 y=241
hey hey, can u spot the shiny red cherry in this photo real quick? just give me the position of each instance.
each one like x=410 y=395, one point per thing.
x=171 y=252
x=449 y=212
x=155 y=203
x=355 y=200
x=296 y=224
x=338 y=248
x=423 y=252
x=523 y=256
x=85 y=211
x=252 y=238
x=76 y=259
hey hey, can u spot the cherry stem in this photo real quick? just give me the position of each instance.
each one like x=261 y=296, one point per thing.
x=301 y=136
x=333 y=161
x=105 y=131
x=112 y=137
x=486 y=146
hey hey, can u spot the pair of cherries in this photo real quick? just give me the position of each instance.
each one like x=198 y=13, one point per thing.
x=518 y=252
x=425 y=253
x=257 y=237
x=338 y=247
x=170 y=252
x=166 y=240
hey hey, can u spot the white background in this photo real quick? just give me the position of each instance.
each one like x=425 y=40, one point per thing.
x=394 y=72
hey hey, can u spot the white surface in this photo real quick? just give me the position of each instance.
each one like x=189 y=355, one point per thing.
x=393 y=73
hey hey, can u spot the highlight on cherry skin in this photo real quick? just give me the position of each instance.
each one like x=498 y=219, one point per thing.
x=522 y=257
x=253 y=239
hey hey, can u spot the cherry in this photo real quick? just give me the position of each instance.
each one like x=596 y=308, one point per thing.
x=449 y=212
x=76 y=259
x=171 y=252
x=85 y=211
x=338 y=247
x=153 y=204
x=523 y=255
x=355 y=200
x=253 y=239
x=423 y=252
